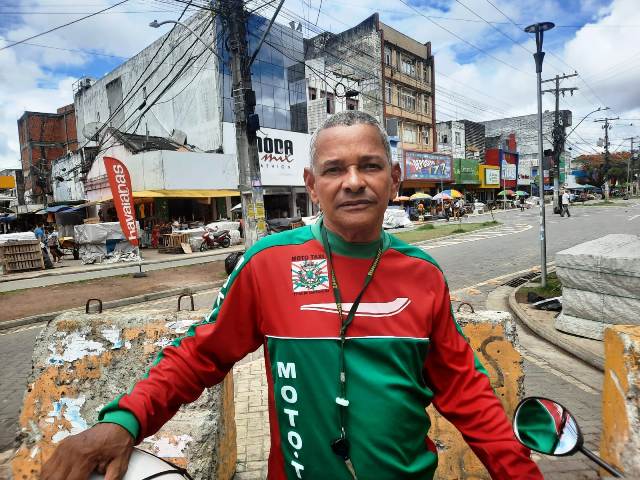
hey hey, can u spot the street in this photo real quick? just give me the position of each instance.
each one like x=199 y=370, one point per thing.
x=467 y=263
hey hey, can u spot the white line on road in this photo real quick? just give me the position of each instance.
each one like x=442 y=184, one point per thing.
x=633 y=217
x=474 y=237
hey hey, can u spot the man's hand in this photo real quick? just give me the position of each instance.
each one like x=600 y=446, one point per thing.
x=104 y=448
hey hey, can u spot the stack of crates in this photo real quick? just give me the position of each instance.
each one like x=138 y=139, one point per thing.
x=21 y=255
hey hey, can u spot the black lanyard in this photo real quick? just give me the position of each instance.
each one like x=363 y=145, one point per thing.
x=340 y=446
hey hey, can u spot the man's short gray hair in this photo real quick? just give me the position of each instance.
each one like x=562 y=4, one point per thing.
x=348 y=119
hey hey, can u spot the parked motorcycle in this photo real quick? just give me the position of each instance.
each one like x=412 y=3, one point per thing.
x=547 y=427
x=214 y=238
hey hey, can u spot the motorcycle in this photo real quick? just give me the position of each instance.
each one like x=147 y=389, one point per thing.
x=547 y=427
x=213 y=238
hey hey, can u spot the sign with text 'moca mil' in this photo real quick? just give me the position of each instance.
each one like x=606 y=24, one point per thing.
x=120 y=183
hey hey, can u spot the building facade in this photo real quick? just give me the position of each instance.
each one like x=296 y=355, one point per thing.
x=44 y=137
x=377 y=69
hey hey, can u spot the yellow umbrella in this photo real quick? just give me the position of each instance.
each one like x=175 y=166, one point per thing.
x=420 y=196
x=401 y=199
x=453 y=193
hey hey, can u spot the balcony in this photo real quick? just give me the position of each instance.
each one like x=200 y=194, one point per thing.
x=396 y=76
x=417 y=117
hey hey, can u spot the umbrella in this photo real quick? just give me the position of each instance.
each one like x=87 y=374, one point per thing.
x=442 y=196
x=420 y=196
x=453 y=193
x=401 y=199
x=521 y=193
x=237 y=208
x=506 y=193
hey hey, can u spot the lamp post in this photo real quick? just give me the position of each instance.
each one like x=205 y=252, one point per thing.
x=156 y=24
x=539 y=29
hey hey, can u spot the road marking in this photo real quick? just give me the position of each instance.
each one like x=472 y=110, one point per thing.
x=633 y=217
x=474 y=237
x=496 y=280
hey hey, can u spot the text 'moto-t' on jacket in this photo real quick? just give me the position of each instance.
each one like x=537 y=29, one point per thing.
x=403 y=352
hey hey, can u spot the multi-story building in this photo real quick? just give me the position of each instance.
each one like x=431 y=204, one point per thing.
x=178 y=90
x=44 y=137
x=11 y=188
x=375 y=68
x=525 y=128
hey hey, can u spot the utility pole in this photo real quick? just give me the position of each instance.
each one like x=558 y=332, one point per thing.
x=558 y=135
x=234 y=18
x=605 y=169
x=631 y=139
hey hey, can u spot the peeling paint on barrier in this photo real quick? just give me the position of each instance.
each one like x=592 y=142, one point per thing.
x=170 y=447
x=180 y=326
x=69 y=408
x=75 y=346
x=113 y=335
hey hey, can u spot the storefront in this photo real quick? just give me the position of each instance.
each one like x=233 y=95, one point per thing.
x=466 y=179
x=489 y=182
x=426 y=172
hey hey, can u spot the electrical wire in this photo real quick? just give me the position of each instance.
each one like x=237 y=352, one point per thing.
x=62 y=26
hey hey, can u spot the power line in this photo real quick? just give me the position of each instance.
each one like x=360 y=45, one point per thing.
x=62 y=26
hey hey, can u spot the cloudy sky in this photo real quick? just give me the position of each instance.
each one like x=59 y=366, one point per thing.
x=484 y=63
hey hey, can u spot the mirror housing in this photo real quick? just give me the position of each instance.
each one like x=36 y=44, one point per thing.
x=547 y=427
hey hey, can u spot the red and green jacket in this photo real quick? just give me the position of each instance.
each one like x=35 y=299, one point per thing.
x=404 y=351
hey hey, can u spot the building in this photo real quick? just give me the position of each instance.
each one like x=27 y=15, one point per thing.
x=176 y=90
x=502 y=155
x=44 y=137
x=377 y=69
x=11 y=189
x=525 y=129
x=451 y=138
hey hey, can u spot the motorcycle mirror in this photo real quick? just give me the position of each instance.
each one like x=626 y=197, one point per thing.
x=546 y=427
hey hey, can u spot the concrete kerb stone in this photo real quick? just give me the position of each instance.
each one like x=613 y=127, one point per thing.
x=146 y=297
x=560 y=340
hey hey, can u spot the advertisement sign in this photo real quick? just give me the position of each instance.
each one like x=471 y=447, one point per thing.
x=7 y=181
x=491 y=176
x=465 y=171
x=120 y=183
x=508 y=171
x=428 y=166
x=283 y=155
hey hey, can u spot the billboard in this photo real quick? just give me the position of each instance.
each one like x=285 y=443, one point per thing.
x=466 y=171
x=491 y=176
x=428 y=166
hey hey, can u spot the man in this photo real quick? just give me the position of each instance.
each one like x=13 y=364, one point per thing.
x=39 y=232
x=565 y=204
x=358 y=339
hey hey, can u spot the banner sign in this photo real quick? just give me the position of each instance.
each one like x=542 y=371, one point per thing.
x=120 y=183
x=492 y=176
x=509 y=171
x=428 y=166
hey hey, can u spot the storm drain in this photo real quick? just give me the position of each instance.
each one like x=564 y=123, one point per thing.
x=516 y=282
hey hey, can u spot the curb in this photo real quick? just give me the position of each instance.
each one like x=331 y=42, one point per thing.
x=550 y=336
x=146 y=297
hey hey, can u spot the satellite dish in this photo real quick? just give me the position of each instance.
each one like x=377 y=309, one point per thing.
x=92 y=130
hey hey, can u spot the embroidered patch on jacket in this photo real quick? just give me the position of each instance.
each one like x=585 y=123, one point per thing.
x=310 y=276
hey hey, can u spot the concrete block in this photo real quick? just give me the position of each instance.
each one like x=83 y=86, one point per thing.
x=81 y=362
x=598 y=281
x=600 y=307
x=617 y=254
x=620 y=439
x=580 y=326
x=493 y=337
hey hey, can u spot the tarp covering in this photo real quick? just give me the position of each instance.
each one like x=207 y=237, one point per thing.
x=17 y=236
x=101 y=241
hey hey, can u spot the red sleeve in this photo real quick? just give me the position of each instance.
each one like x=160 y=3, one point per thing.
x=463 y=395
x=201 y=358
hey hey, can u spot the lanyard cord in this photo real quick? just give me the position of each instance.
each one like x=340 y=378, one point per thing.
x=345 y=322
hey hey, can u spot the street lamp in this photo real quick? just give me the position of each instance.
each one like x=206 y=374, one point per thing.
x=156 y=24
x=539 y=29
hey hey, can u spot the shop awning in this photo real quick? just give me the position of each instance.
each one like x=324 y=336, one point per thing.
x=185 y=193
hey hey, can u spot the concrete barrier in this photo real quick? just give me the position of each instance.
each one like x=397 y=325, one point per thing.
x=81 y=362
x=620 y=440
x=493 y=337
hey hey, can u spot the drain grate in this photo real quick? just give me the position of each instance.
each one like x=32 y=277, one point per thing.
x=516 y=282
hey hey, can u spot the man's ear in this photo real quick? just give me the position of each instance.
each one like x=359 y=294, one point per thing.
x=310 y=183
x=396 y=178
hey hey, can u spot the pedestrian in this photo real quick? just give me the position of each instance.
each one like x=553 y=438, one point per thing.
x=358 y=339
x=53 y=243
x=565 y=204
x=39 y=232
x=521 y=203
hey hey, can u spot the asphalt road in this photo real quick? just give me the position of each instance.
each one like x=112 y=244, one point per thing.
x=465 y=264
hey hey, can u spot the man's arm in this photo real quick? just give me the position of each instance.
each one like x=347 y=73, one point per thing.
x=200 y=359
x=463 y=395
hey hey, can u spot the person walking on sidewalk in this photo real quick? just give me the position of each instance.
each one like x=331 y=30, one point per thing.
x=358 y=336
x=565 y=204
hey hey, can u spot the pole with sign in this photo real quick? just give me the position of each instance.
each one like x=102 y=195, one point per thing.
x=120 y=184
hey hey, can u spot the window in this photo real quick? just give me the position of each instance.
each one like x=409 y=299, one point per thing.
x=352 y=104
x=445 y=139
x=387 y=56
x=426 y=104
x=457 y=138
x=408 y=100
x=408 y=66
x=331 y=104
x=424 y=135
x=409 y=133
x=387 y=93
x=313 y=93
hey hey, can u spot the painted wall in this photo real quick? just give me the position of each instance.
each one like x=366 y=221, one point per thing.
x=71 y=187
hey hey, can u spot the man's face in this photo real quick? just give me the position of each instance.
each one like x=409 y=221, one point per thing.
x=352 y=180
